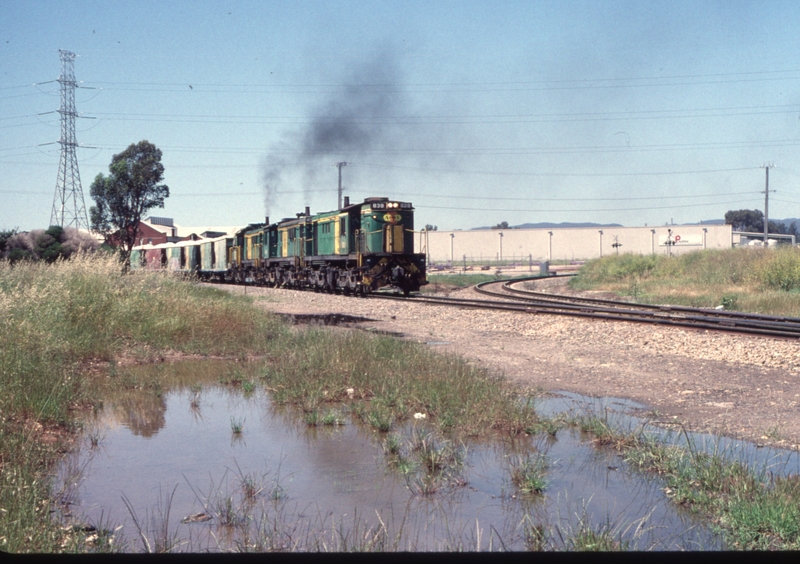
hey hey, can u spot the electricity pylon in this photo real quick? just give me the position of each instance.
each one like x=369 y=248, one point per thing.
x=69 y=209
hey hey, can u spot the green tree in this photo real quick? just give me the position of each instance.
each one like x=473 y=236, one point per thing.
x=132 y=187
x=5 y=235
x=746 y=220
x=753 y=221
x=48 y=246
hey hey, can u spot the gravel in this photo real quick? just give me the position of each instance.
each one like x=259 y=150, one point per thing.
x=739 y=386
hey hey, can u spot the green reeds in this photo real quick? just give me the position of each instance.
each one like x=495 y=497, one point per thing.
x=386 y=381
x=753 y=507
x=428 y=461
x=528 y=472
x=237 y=425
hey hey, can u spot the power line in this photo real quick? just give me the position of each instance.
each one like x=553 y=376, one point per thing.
x=424 y=206
x=501 y=150
x=576 y=83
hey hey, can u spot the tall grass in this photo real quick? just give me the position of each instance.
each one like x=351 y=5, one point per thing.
x=756 y=280
x=396 y=378
x=54 y=318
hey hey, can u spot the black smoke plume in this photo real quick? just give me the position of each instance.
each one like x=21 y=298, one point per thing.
x=357 y=121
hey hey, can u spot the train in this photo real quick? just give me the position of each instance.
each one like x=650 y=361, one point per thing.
x=357 y=249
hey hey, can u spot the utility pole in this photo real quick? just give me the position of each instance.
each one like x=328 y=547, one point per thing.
x=69 y=208
x=766 y=166
x=340 y=165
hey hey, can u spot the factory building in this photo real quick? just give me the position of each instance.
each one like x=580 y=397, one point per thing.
x=568 y=244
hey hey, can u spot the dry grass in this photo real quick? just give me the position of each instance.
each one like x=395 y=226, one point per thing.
x=753 y=280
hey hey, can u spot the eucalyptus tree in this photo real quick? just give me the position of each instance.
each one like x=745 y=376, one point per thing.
x=132 y=187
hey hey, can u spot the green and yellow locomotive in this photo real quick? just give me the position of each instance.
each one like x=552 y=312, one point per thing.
x=357 y=249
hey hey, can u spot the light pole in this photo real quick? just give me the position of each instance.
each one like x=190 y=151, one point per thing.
x=452 y=256
x=766 y=206
x=550 y=247
x=705 y=234
x=501 y=247
x=653 y=240
x=601 y=243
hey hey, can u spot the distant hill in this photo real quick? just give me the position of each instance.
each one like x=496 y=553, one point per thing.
x=567 y=225
x=786 y=222
x=547 y=225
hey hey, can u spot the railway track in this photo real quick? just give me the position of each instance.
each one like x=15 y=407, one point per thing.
x=505 y=297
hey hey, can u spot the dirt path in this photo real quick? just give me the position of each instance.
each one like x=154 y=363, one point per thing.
x=745 y=387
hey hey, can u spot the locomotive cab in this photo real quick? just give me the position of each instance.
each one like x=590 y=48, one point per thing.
x=386 y=244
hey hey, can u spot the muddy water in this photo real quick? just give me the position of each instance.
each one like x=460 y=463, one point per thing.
x=164 y=454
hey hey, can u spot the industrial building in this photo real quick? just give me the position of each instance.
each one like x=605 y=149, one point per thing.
x=568 y=244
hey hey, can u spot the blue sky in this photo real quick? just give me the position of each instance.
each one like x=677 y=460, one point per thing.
x=477 y=112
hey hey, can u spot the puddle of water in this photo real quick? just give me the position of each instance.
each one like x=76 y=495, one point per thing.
x=326 y=487
x=625 y=415
x=322 y=318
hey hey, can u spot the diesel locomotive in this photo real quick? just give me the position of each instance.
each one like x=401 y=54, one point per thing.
x=357 y=249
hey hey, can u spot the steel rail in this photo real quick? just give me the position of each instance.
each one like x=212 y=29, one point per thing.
x=508 y=286
x=611 y=314
x=725 y=319
x=786 y=325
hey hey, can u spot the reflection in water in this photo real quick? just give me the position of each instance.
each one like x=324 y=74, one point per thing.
x=281 y=485
x=142 y=413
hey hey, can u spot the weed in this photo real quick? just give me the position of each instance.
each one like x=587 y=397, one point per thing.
x=392 y=444
x=774 y=434
x=380 y=419
x=226 y=513
x=94 y=437
x=163 y=539
x=599 y=539
x=237 y=425
x=330 y=417
x=333 y=417
x=248 y=388
x=730 y=302
x=251 y=485
x=527 y=473
x=312 y=418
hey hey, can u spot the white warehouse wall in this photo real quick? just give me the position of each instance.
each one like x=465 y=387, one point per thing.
x=568 y=244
